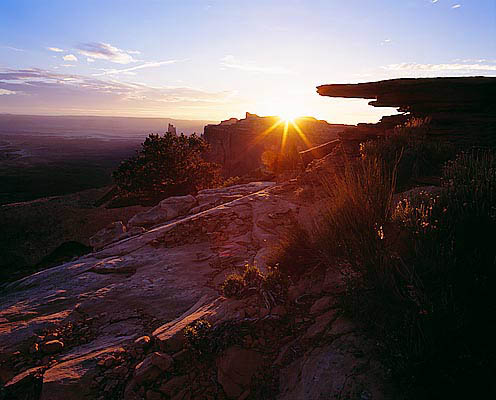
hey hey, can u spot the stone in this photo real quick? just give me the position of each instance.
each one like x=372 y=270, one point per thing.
x=320 y=325
x=279 y=311
x=166 y=210
x=173 y=385
x=107 y=235
x=25 y=386
x=52 y=346
x=321 y=305
x=152 y=366
x=335 y=371
x=235 y=369
x=153 y=395
x=142 y=342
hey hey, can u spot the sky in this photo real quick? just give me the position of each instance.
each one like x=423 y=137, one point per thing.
x=216 y=59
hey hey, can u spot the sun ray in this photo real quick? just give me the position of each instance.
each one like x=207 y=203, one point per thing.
x=301 y=134
x=284 y=136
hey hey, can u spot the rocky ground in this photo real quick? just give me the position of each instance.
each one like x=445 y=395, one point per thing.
x=113 y=324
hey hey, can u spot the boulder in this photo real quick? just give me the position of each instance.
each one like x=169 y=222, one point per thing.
x=112 y=233
x=152 y=366
x=25 y=386
x=235 y=369
x=321 y=305
x=52 y=346
x=166 y=210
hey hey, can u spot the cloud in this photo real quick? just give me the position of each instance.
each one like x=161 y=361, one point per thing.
x=129 y=70
x=42 y=91
x=386 y=41
x=230 y=61
x=12 y=48
x=5 y=92
x=456 y=6
x=55 y=49
x=90 y=60
x=67 y=65
x=70 y=57
x=440 y=67
x=105 y=51
x=434 y=1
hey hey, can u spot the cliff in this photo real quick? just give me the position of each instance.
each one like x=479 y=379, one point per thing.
x=459 y=109
x=238 y=145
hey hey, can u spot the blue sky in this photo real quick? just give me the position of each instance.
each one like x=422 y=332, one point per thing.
x=213 y=59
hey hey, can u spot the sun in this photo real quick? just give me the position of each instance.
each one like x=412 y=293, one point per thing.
x=288 y=116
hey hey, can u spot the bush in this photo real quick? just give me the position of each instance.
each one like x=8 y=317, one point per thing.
x=198 y=336
x=272 y=287
x=252 y=276
x=167 y=165
x=233 y=286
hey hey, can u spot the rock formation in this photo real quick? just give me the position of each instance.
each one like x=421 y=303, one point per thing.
x=462 y=110
x=238 y=145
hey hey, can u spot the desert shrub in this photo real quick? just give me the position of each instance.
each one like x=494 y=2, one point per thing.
x=234 y=180
x=410 y=151
x=271 y=287
x=167 y=165
x=295 y=253
x=198 y=336
x=233 y=286
x=252 y=276
x=275 y=286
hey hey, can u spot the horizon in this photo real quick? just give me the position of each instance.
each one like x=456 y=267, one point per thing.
x=213 y=60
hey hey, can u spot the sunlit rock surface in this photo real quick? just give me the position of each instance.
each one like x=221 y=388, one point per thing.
x=105 y=315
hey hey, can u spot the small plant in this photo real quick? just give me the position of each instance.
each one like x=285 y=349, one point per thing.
x=197 y=334
x=275 y=287
x=233 y=286
x=252 y=276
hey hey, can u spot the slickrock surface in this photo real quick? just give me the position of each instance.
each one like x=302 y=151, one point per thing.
x=110 y=325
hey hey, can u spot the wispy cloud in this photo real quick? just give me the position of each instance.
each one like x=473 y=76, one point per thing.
x=12 y=48
x=5 y=92
x=137 y=67
x=434 y=1
x=55 y=49
x=70 y=57
x=440 y=67
x=42 y=91
x=456 y=6
x=230 y=61
x=105 y=51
